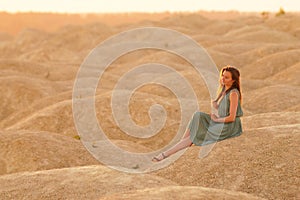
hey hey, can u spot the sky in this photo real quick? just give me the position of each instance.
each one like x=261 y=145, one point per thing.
x=106 y=6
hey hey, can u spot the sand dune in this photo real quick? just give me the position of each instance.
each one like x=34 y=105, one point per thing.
x=271 y=119
x=37 y=105
x=18 y=92
x=55 y=118
x=285 y=23
x=182 y=192
x=23 y=68
x=270 y=98
x=288 y=75
x=41 y=156
x=274 y=64
x=34 y=151
x=247 y=163
x=90 y=182
x=261 y=34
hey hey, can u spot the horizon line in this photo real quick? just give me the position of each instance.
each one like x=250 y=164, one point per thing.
x=145 y=12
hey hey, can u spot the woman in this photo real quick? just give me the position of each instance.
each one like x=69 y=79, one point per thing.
x=206 y=129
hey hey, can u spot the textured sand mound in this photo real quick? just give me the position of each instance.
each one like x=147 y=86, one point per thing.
x=264 y=120
x=45 y=150
x=286 y=23
x=256 y=52
x=69 y=42
x=222 y=59
x=56 y=118
x=18 y=92
x=182 y=192
x=22 y=68
x=32 y=151
x=235 y=48
x=246 y=163
x=262 y=35
x=272 y=64
x=90 y=182
x=289 y=75
x=185 y=23
x=244 y=30
x=275 y=98
x=85 y=36
x=221 y=27
x=26 y=41
x=21 y=115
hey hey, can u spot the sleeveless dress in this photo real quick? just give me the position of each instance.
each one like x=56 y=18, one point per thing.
x=204 y=131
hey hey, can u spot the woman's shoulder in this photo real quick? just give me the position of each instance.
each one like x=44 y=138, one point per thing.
x=235 y=90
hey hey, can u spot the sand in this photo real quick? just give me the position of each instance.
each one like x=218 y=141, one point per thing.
x=41 y=156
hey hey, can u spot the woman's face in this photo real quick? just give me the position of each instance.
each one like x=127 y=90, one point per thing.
x=226 y=79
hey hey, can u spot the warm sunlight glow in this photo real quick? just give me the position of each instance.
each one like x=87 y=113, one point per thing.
x=100 y=6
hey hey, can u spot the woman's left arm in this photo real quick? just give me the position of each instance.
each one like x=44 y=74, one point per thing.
x=234 y=99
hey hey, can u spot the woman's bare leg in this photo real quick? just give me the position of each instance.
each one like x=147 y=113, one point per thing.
x=184 y=143
x=187 y=133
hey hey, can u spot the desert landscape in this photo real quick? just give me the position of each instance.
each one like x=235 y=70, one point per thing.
x=42 y=157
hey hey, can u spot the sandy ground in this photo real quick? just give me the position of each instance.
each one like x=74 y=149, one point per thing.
x=41 y=156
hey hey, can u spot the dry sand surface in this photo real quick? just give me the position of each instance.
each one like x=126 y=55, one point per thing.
x=41 y=156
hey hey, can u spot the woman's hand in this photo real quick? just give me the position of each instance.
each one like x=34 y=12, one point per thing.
x=232 y=113
x=214 y=104
x=214 y=117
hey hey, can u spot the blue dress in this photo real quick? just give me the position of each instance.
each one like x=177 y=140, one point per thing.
x=204 y=131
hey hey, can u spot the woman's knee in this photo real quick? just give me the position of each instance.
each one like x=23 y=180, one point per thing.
x=197 y=114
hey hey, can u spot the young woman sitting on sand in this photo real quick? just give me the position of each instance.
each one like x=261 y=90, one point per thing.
x=204 y=128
